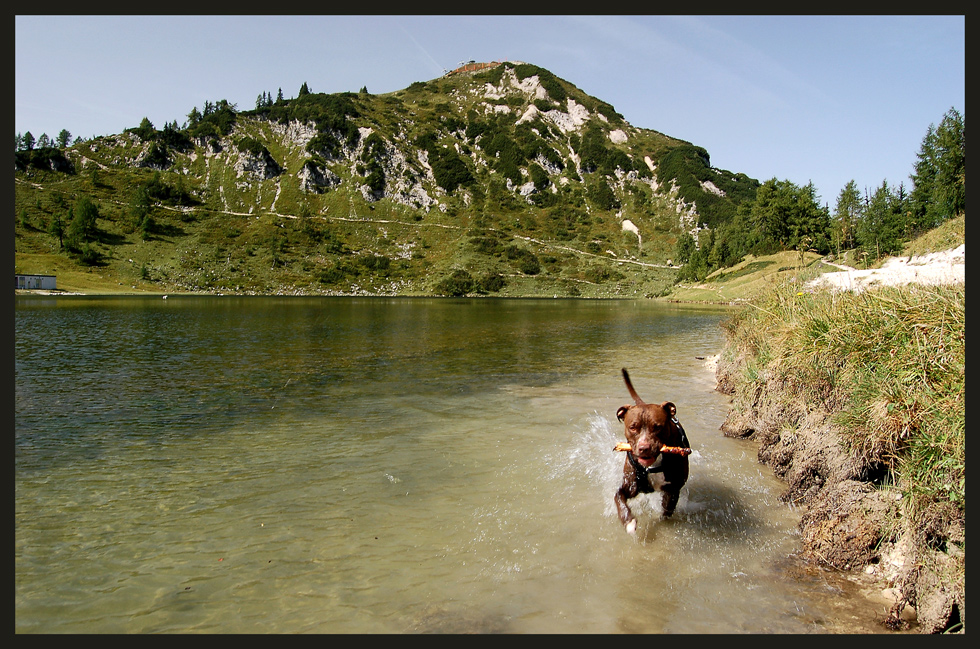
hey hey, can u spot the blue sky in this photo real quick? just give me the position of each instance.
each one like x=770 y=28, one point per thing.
x=822 y=99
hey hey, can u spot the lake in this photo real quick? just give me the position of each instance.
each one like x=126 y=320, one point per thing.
x=371 y=465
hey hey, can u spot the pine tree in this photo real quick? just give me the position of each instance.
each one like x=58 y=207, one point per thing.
x=846 y=216
x=57 y=228
x=771 y=212
x=145 y=130
x=82 y=225
x=685 y=247
x=880 y=230
x=924 y=180
x=950 y=190
x=808 y=221
x=939 y=180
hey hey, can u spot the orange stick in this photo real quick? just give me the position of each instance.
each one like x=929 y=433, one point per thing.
x=671 y=450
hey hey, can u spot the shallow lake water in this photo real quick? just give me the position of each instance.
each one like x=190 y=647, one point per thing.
x=373 y=465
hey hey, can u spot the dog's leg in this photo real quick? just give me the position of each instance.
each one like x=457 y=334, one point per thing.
x=669 y=500
x=626 y=491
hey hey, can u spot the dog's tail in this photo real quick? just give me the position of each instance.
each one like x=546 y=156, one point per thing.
x=629 y=386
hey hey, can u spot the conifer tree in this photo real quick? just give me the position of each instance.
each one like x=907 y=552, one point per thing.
x=773 y=204
x=846 y=216
x=939 y=181
x=808 y=221
x=950 y=189
x=82 y=225
x=56 y=228
x=879 y=232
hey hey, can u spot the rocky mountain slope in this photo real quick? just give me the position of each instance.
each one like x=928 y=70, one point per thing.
x=502 y=180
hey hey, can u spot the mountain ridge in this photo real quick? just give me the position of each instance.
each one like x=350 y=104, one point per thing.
x=549 y=191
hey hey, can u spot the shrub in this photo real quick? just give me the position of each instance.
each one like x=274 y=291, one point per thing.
x=448 y=168
x=527 y=261
x=214 y=123
x=599 y=273
x=458 y=284
x=602 y=196
x=529 y=265
x=592 y=151
x=47 y=158
x=251 y=145
x=490 y=283
x=538 y=176
x=375 y=263
x=157 y=156
x=487 y=245
x=89 y=255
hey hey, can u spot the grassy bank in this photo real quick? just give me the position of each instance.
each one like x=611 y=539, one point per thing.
x=890 y=365
x=882 y=373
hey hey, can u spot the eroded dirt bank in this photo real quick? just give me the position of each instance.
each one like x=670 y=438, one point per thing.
x=849 y=521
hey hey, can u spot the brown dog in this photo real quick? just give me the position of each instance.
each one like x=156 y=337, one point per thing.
x=650 y=428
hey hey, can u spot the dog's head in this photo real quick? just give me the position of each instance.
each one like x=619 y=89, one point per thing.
x=649 y=426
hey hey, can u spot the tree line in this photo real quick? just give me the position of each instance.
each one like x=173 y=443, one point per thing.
x=27 y=141
x=785 y=216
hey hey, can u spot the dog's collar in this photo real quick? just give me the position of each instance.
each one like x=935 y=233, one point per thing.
x=684 y=442
x=642 y=471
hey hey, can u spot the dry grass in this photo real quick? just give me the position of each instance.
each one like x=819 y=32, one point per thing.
x=888 y=363
x=753 y=275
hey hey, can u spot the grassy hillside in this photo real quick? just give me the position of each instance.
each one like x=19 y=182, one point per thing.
x=507 y=181
x=751 y=276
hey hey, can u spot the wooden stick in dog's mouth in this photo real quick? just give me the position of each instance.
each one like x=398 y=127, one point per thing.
x=671 y=450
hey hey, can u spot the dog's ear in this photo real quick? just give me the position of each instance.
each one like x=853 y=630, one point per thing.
x=622 y=412
x=669 y=407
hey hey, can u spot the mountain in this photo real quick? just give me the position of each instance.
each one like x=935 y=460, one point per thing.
x=498 y=178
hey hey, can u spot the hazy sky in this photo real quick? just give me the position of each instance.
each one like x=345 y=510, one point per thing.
x=825 y=99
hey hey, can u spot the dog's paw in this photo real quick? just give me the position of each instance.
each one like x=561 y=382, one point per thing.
x=631 y=527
